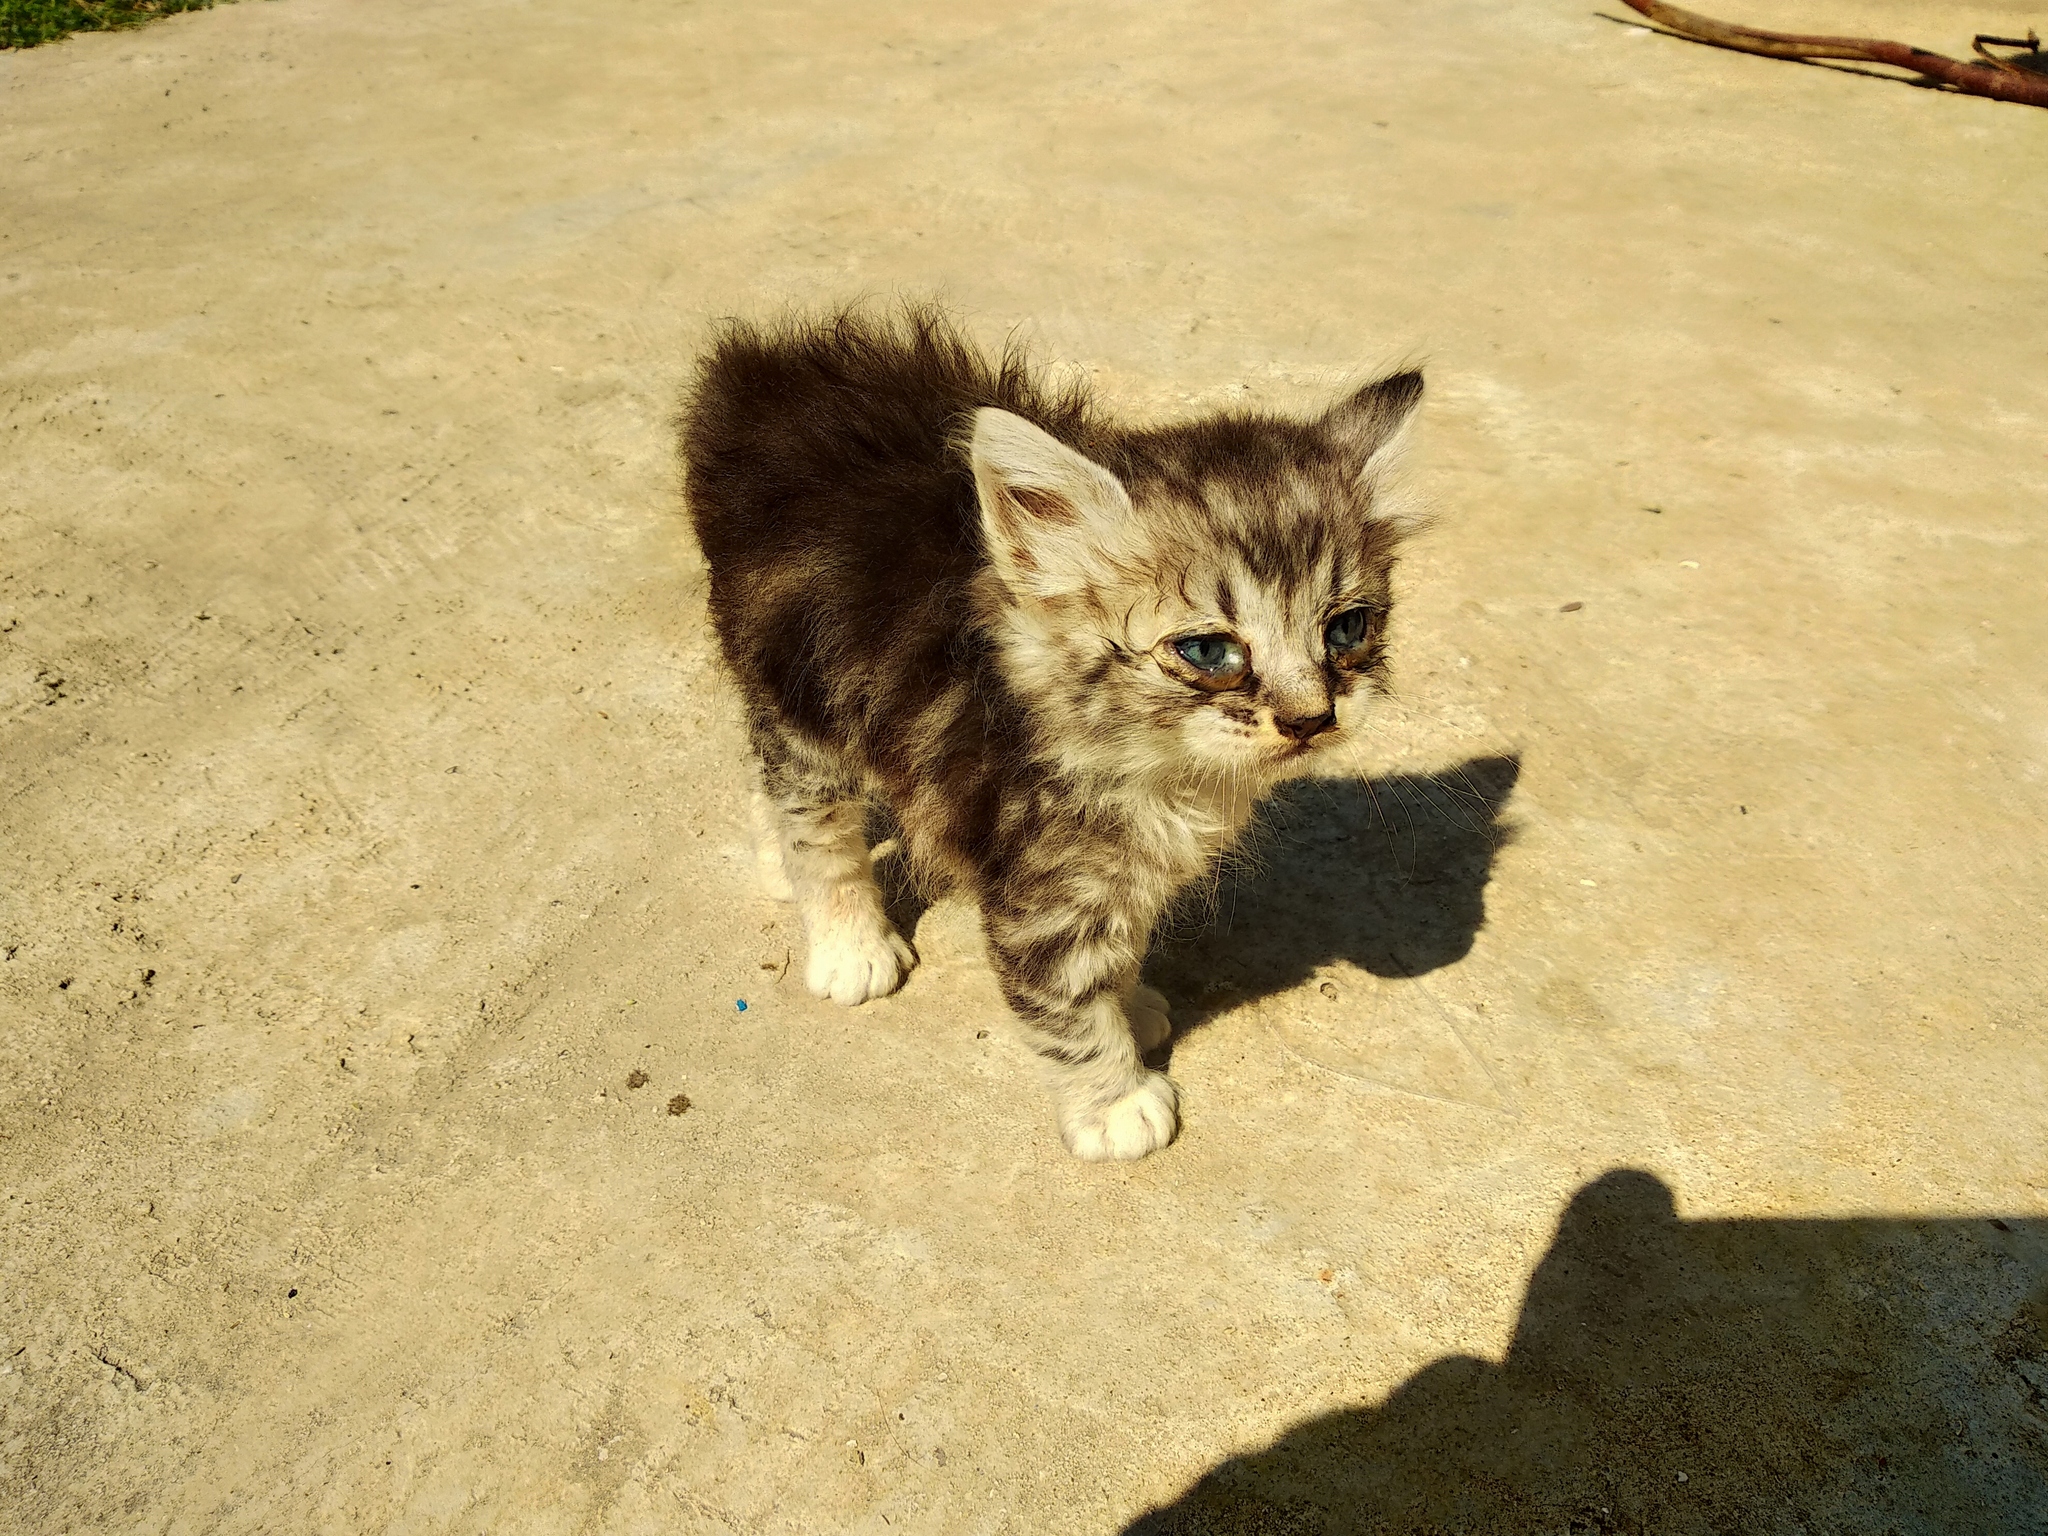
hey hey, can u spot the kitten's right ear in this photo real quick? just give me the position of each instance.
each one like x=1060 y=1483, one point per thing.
x=1369 y=428
x=1049 y=516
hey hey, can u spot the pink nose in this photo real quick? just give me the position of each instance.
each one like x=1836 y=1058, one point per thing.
x=1302 y=727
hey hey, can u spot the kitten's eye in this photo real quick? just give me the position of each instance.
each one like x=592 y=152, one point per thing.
x=1220 y=659
x=1346 y=632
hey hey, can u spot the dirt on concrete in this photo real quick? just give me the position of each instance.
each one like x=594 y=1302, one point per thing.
x=1623 y=1105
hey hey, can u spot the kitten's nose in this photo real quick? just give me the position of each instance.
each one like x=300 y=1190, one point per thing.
x=1302 y=727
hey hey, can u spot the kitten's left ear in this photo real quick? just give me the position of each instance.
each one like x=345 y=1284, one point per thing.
x=1051 y=518
x=1370 y=428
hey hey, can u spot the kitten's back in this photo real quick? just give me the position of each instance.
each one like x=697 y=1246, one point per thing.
x=834 y=506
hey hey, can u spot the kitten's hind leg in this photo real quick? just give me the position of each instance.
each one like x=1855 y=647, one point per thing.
x=1151 y=1019
x=821 y=836
x=768 y=850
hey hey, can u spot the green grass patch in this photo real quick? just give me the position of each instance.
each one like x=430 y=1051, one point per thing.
x=24 y=23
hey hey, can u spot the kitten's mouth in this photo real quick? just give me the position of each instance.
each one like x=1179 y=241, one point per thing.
x=1294 y=751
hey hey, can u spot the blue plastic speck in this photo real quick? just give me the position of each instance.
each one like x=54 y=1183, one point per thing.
x=742 y=1002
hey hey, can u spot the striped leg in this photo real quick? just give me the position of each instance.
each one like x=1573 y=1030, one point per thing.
x=819 y=822
x=1071 y=976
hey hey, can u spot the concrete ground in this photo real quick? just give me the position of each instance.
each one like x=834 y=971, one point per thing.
x=1621 y=1108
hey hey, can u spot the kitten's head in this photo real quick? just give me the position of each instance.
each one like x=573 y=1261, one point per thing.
x=1211 y=596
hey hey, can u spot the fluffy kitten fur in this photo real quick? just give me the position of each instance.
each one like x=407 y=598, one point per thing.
x=1068 y=656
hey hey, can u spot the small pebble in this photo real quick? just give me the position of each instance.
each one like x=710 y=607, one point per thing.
x=1573 y=607
x=1683 y=1478
x=636 y=1079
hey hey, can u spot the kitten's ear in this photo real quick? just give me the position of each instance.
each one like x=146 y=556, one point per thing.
x=1049 y=516
x=1370 y=428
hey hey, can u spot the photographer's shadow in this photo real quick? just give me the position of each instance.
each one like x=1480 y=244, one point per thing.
x=1766 y=1375
x=1388 y=874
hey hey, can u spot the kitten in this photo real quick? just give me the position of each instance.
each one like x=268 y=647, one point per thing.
x=1068 y=656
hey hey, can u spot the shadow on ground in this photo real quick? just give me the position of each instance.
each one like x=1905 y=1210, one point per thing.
x=1715 y=1376
x=1389 y=874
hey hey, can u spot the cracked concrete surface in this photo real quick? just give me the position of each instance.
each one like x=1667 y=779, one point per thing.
x=371 y=811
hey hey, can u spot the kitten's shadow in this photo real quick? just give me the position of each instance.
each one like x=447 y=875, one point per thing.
x=1389 y=874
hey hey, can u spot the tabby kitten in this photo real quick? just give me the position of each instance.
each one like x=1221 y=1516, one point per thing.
x=1068 y=656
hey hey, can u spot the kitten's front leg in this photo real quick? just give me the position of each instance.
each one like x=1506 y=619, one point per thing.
x=856 y=952
x=1071 y=980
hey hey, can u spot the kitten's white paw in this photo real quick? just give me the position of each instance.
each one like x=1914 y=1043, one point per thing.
x=1140 y=1122
x=1151 y=1020
x=856 y=959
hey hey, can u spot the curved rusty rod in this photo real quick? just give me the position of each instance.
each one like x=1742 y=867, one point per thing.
x=1995 y=79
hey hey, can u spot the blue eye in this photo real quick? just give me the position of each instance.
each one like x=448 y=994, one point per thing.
x=1221 y=658
x=1346 y=632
